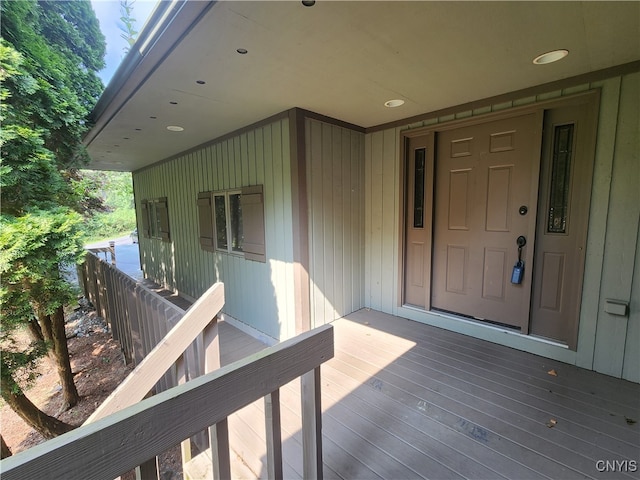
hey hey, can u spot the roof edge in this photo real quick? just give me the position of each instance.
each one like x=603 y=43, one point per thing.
x=169 y=23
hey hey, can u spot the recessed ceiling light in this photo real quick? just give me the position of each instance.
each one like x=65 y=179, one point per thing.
x=153 y=117
x=125 y=138
x=200 y=82
x=175 y=128
x=308 y=3
x=242 y=51
x=550 y=57
x=138 y=129
x=173 y=103
x=393 y=103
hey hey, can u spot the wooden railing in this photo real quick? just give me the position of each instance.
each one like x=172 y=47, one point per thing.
x=109 y=252
x=128 y=432
x=137 y=316
x=119 y=442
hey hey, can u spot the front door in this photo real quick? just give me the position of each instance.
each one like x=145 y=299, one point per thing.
x=486 y=190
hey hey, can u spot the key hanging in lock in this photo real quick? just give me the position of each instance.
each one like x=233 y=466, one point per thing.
x=518 y=269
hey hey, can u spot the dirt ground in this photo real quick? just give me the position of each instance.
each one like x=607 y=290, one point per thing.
x=98 y=367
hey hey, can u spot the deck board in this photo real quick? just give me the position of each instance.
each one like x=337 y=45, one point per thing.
x=405 y=400
x=464 y=381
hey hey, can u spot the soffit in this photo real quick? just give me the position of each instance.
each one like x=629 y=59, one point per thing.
x=345 y=59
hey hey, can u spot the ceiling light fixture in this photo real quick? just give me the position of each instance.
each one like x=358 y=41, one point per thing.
x=242 y=51
x=200 y=82
x=173 y=103
x=393 y=103
x=550 y=57
x=308 y=3
x=175 y=128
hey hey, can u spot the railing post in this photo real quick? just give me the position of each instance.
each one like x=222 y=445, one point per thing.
x=149 y=470
x=218 y=433
x=311 y=425
x=274 y=435
x=185 y=446
x=112 y=251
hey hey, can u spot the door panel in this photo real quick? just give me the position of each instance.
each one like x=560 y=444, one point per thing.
x=565 y=192
x=495 y=270
x=498 y=207
x=418 y=220
x=459 y=199
x=484 y=174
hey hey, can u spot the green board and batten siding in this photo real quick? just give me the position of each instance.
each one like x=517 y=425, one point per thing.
x=335 y=189
x=607 y=343
x=258 y=294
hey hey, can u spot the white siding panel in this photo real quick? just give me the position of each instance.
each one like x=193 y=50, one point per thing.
x=336 y=205
x=259 y=294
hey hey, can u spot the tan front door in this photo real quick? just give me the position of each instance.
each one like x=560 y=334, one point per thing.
x=486 y=185
x=565 y=191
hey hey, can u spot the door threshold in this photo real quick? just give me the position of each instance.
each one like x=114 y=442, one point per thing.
x=550 y=341
x=488 y=325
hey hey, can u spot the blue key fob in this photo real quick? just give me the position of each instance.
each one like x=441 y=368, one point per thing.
x=518 y=273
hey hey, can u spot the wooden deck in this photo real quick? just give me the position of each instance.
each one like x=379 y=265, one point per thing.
x=405 y=400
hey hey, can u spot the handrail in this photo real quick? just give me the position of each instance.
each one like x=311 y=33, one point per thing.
x=114 y=445
x=140 y=381
x=111 y=250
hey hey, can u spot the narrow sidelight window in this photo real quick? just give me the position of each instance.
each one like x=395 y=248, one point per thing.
x=560 y=179
x=418 y=199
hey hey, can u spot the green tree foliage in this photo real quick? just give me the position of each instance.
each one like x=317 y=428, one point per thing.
x=118 y=215
x=50 y=52
x=129 y=32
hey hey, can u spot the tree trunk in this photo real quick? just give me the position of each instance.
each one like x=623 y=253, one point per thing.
x=6 y=451
x=45 y=327
x=61 y=351
x=35 y=331
x=47 y=426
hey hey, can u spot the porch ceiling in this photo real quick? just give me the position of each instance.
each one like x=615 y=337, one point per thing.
x=344 y=60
